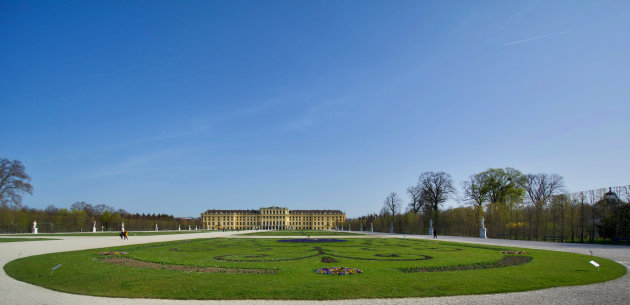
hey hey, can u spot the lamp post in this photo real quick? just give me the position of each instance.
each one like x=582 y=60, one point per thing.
x=612 y=199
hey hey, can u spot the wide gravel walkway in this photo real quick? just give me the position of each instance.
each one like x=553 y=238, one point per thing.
x=612 y=292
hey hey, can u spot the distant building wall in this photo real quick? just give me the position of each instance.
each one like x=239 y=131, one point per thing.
x=272 y=218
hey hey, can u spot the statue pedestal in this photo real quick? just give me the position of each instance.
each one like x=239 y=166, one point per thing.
x=483 y=230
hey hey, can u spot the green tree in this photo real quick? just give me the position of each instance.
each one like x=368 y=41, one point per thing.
x=105 y=219
x=503 y=184
x=503 y=188
x=116 y=221
x=80 y=217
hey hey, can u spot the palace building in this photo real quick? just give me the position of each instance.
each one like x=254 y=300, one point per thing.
x=272 y=218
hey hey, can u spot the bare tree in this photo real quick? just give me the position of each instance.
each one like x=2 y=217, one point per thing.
x=102 y=208
x=436 y=188
x=559 y=205
x=540 y=188
x=392 y=203
x=384 y=212
x=14 y=182
x=51 y=210
x=582 y=198
x=415 y=193
x=476 y=192
x=83 y=206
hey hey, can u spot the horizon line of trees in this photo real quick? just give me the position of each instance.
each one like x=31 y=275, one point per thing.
x=80 y=217
x=514 y=205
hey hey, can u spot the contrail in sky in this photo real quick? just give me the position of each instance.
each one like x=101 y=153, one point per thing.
x=538 y=37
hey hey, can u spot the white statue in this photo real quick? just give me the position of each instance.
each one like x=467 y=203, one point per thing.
x=188 y=227
x=179 y=227
x=361 y=227
x=123 y=227
x=156 y=227
x=391 y=228
x=483 y=230
x=34 y=227
x=431 y=227
x=371 y=227
x=94 y=227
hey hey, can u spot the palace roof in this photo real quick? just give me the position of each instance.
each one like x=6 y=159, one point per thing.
x=315 y=212
x=302 y=212
x=233 y=212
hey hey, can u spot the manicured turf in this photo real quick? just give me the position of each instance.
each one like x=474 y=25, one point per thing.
x=8 y=240
x=300 y=233
x=286 y=270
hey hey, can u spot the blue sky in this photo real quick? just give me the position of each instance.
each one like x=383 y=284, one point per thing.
x=182 y=106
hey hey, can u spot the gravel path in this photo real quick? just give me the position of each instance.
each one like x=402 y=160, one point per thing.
x=612 y=292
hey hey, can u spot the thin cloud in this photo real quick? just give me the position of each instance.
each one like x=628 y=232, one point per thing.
x=319 y=111
x=539 y=37
x=139 y=164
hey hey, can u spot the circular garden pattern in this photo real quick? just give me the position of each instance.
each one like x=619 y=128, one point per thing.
x=242 y=268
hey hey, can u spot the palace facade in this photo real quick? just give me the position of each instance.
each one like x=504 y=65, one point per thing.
x=272 y=218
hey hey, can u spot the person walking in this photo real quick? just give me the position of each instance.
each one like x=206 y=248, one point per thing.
x=122 y=234
x=435 y=233
x=126 y=234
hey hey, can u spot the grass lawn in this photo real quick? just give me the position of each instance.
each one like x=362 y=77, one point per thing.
x=8 y=240
x=223 y=268
x=300 y=233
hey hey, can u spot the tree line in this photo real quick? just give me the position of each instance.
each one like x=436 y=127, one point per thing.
x=513 y=205
x=80 y=217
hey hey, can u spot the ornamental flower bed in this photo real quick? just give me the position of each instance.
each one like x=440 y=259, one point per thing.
x=339 y=271
x=506 y=261
x=514 y=252
x=112 y=253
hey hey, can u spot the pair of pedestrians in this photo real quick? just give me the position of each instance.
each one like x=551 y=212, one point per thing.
x=124 y=234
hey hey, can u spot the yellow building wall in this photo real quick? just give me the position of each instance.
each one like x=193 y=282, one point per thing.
x=271 y=218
